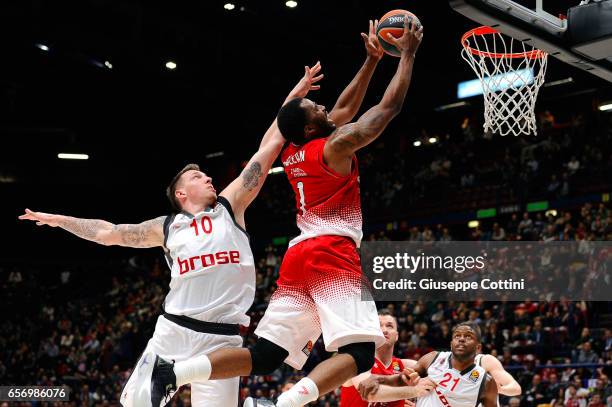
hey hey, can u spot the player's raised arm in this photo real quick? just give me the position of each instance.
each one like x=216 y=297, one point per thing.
x=351 y=98
x=146 y=234
x=351 y=137
x=506 y=384
x=243 y=190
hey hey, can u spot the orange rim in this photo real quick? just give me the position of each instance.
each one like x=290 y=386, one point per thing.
x=485 y=30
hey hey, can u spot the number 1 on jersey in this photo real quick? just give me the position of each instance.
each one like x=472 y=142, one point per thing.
x=300 y=187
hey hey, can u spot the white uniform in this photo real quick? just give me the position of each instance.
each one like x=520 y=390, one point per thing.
x=455 y=388
x=213 y=280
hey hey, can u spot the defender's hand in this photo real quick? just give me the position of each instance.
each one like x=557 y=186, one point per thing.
x=41 y=218
x=368 y=387
x=410 y=376
x=424 y=386
x=307 y=83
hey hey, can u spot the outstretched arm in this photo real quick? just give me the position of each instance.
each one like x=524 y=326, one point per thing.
x=146 y=234
x=389 y=393
x=351 y=98
x=341 y=146
x=506 y=384
x=243 y=190
x=370 y=386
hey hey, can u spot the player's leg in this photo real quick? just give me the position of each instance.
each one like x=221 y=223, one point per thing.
x=159 y=344
x=349 y=324
x=189 y=340
x=215 y=393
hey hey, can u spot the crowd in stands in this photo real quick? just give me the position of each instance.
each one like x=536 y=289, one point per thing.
x=87 y=330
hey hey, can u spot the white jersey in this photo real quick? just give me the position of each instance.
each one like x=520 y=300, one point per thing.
x=213 y=269
x=455 y=388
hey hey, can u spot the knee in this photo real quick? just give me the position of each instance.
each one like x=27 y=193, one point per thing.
x=362 y=353
x=266 y=357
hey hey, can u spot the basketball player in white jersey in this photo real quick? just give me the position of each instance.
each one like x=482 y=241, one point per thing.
x=212 y=266
x=460 y=377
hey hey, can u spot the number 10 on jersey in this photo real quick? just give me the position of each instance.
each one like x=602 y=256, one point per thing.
x=205 y=223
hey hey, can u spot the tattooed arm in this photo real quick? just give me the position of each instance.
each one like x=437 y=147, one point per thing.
x=146 y=234
x=343 y=143
x=243 y=190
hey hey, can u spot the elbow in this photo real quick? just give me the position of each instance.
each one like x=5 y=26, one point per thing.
x=393 y=110
x=518 y=390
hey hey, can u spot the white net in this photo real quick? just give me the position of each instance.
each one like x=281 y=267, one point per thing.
x=511 y=73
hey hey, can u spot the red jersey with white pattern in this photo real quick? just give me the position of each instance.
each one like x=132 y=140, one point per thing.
x=327 y=203
x=349 y=396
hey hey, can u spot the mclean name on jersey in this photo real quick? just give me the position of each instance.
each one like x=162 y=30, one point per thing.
x=298 y=157
x=208 y=260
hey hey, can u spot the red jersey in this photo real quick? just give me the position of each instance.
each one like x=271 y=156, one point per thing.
x=349 y=396
x=327 y=203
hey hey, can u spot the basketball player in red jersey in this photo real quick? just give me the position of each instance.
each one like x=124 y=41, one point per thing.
x=319 y=287
x=385 y=364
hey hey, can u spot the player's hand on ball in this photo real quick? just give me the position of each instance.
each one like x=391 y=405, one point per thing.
x=368 y=387
x=307 y=83
x=409 y=403
x=423 y=387
x=372 y=45
x=409 y=42
x=40 y=218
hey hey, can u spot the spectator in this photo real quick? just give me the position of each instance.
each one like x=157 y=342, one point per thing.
x=525 y=227
x=586 y=354
x=573 y=165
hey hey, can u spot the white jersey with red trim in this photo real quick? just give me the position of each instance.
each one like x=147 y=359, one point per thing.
x=212 y=266
x=327 y=203
x=455 y=388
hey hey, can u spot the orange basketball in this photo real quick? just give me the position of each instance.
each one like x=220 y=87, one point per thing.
x=393 y=23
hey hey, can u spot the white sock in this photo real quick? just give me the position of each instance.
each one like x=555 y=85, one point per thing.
x=192 y=370
x=302 y=393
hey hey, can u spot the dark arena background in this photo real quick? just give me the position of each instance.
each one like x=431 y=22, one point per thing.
x=94 y=77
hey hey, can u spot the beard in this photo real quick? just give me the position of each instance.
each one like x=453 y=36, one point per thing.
x=465 y=356
x=325 y=129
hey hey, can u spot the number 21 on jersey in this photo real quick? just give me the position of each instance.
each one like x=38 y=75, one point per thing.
x=447 y=378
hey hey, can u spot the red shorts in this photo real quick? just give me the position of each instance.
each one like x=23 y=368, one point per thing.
x=321 y=263
x=319 y=291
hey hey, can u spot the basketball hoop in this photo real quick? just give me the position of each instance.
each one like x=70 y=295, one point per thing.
x=511 y=73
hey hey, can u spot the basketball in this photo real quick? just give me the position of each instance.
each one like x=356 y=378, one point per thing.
x=393 y=23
